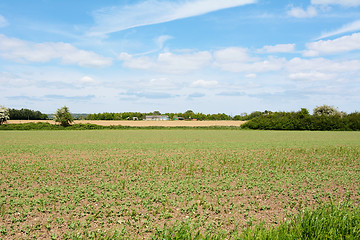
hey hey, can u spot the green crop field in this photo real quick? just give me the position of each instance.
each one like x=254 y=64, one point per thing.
x=137 y=184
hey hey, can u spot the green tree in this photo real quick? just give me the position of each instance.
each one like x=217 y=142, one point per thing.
x=189 y=114
x=4 y=114
x=63 y=116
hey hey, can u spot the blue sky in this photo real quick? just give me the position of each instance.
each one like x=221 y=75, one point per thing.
x=211 y=56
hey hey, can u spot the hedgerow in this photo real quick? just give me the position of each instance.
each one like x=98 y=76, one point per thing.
x=304 y=121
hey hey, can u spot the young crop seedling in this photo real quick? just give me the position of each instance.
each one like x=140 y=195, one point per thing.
x=144 y=184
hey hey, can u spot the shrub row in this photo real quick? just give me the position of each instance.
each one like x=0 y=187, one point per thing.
x=303 y=121
x=48 y=126
x=88 y=126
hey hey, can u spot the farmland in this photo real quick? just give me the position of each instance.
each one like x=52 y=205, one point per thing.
x=73 y=184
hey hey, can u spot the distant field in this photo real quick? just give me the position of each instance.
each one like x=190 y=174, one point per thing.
x=145 y=123
x=72 y=184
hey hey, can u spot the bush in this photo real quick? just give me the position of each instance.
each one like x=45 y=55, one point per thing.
x=63 y=116
x=4 y=114
x=325 y=110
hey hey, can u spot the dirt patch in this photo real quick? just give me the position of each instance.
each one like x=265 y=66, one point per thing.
x=144 y=123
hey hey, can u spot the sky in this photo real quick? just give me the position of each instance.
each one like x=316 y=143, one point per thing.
x=209 y=56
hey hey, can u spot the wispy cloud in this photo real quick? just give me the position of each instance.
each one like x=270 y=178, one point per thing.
x=52 y=97
x=3 y=21
x=346 y=3
x=279 y=48
x=351 y=27
x=196 y=95
x=302 y=13
x=12 y=80
x=159 y=42
x=72 y=98
x=231 y=94
x=118 y=18
x=27 y=98
x=24 y=51
x=149 y=95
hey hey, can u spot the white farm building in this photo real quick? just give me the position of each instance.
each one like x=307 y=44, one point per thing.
x=157 y=118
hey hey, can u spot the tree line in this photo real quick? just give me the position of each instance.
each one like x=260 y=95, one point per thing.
x=188 y=115
x=26 y=114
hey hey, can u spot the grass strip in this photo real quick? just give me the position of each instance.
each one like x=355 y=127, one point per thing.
x=325 y=222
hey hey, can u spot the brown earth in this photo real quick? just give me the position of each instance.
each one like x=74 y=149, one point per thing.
x=144 y=123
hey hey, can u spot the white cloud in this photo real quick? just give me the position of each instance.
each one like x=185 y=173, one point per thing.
x=296 y=65
x=279 y=48
x=312 y=76
x=183 y=63
x=301 y=13
x=114 y=19
x=160 y=84
x=143 y=62
x=3 y=21
x=203 y=83
x=346 y=3
x=19 y=50
x=235 y=59
x=168 y=62
x=270 y=64
x=351 y=27
x=87 y=80
x=232 y=54
x=342 y=44
x=251 y=75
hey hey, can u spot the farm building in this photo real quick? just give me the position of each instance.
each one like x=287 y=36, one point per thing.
x=178 y=118
x=157 y=118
